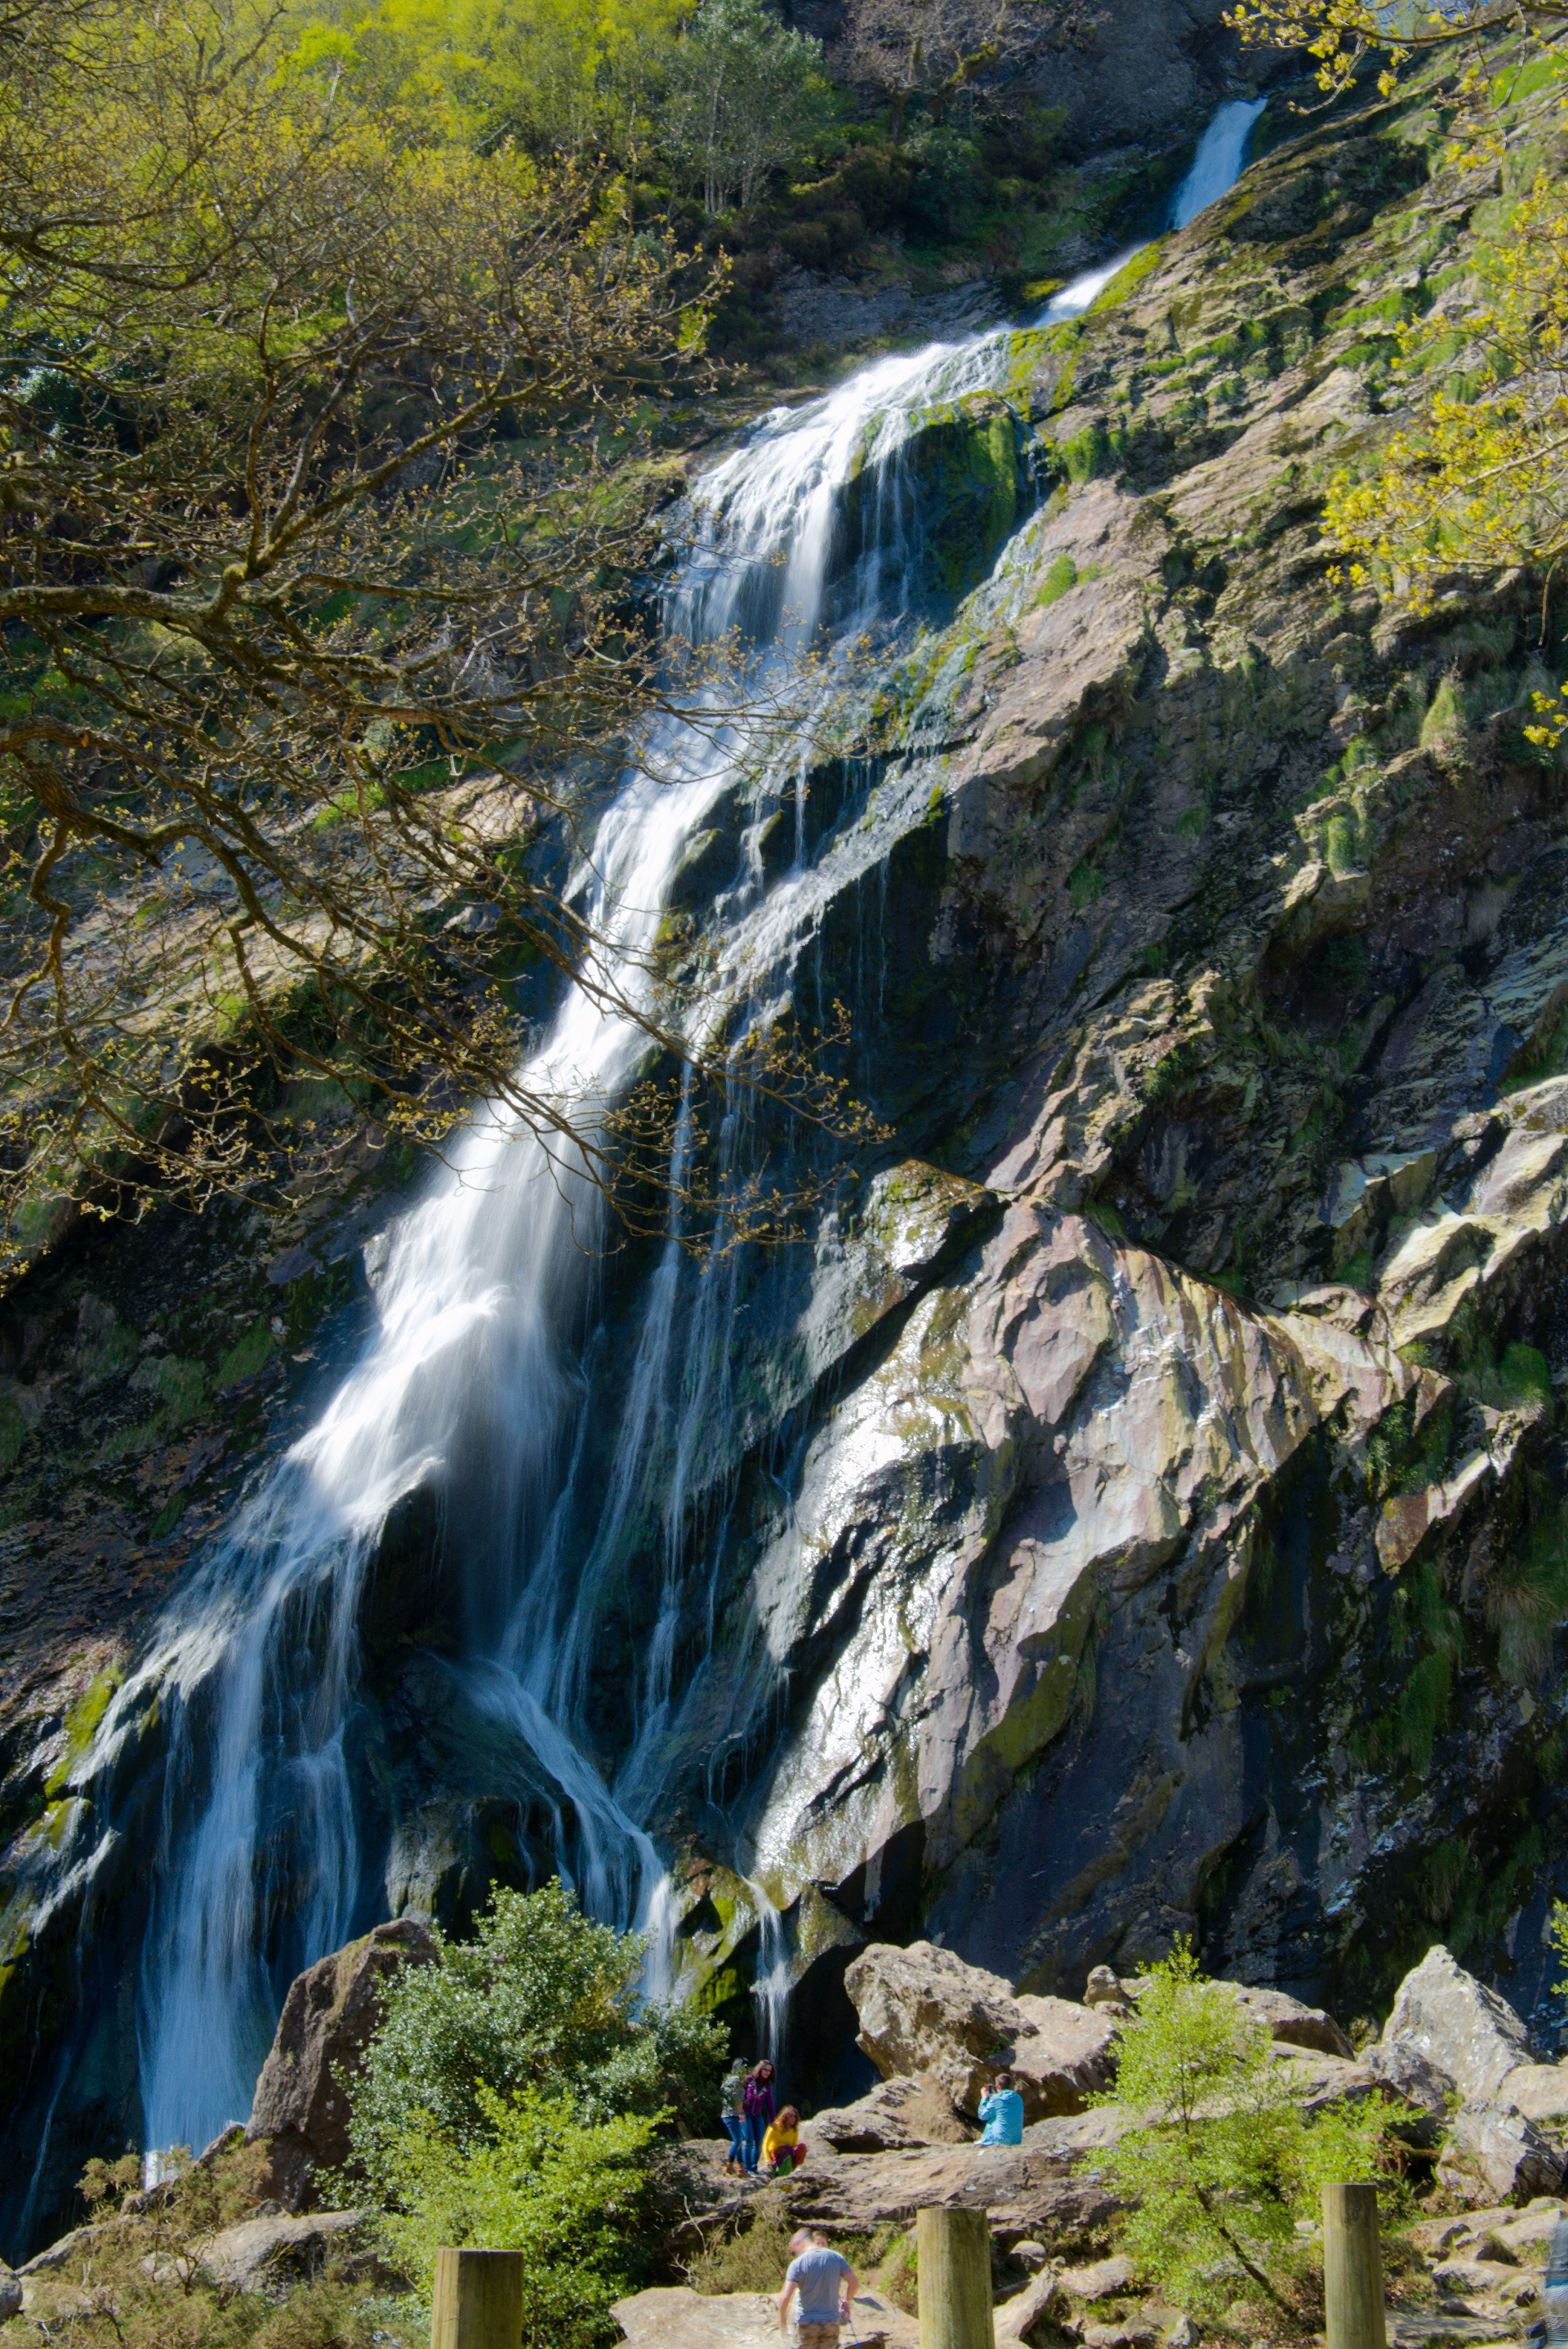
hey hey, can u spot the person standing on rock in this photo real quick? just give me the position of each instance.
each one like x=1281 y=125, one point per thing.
x=756 y=2105
x=733 y=2114
x=1002 y=2112
x=826 y=2284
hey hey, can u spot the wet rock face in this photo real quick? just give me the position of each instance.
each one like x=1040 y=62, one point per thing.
x=1183 y=1559
x=304 y=2098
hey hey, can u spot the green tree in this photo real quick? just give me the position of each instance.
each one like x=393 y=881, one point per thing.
x=571 y=2194
x=326 y=477
x=746 y=97
x=572 y=78
x=543 y=2002
x=1222 y=2161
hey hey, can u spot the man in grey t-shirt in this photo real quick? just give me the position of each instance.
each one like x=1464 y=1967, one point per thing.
x=825 y=2284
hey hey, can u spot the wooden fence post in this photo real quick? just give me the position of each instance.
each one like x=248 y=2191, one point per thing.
x=478 y=2301
x=1353 y=2268
x=953 y=2252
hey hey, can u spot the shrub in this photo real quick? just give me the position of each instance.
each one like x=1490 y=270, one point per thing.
x=571 y=2194
x=1225 y=2162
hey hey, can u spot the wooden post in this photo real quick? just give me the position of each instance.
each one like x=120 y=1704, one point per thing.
x=1353 y=2268
x=953 y=2252
x=478 y=2301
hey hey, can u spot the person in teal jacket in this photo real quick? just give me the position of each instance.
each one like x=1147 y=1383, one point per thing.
x=1002 y=2112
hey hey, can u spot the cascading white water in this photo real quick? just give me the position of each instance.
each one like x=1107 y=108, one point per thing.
x=471 y=1368
x=1216 y=167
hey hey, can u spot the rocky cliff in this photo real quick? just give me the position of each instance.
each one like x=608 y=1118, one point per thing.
x=1134 y=1509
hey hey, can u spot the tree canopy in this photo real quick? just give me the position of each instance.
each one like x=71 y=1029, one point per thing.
x=329 y=478
x=546 y=2001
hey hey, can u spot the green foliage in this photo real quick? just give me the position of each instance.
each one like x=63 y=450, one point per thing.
x=571 y=2194
x=1446 y=1872
x=1128 y=279
x=745 y=98
x=1526 y=1597
x=1223 y=2162
x=1520 y=1381
x=564 y=77
x=946 y=188
x=1086 y=885
x=1557 y=1929
x=543 y=2000
x=1443 y=727
x=1404 y=1458
x=1061 y=575
x=751 y=2261
x=1339 y=841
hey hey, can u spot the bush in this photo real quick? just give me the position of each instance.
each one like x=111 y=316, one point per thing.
x=542 y=1998
x=571 y=2194
x=1225 y=2163
x=949 y=183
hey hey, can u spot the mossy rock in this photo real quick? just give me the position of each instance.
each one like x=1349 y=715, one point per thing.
x=954 y=491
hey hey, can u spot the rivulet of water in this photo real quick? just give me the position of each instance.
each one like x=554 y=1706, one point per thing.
x=471 y=1383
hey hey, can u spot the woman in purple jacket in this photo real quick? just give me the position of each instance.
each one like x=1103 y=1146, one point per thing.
x=756 y=2105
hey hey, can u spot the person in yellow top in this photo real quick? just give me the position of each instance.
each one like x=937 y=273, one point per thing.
x=782 y=2151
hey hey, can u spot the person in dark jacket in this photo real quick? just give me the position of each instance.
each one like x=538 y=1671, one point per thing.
x=756 y=2106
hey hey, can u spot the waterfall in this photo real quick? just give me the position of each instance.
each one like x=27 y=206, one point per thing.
x=472 y=1382
x=1216 y=167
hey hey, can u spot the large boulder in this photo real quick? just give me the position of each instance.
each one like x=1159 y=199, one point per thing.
x=1317 y=2081
x=1539 y=2091
x=1492 y=2154
x=896 y=2113
x=1290 y=2024
x=304 y=2096
x=1401 y=2066
x=10 y=2292
x=258 y=2253
x=1462 y=2028
x=925 y=2014
x=673 y=2316
x=1028 y=2190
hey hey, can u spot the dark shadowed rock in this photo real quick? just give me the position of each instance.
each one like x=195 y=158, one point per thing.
x=10 y=2292
x=304 y=2095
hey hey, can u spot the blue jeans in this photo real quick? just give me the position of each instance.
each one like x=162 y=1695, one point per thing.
x=755 y=2130
x=738 y=2135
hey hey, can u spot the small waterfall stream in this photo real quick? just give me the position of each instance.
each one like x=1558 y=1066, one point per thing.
x=472 y=1379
